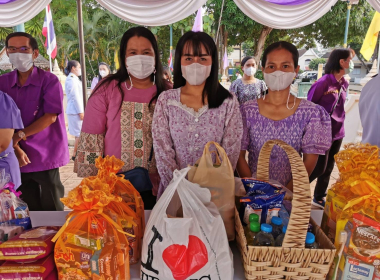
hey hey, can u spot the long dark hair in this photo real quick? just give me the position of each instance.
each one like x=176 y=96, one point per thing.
x=213 y=90
x=122 y=74
x=108 y=67
x=333 y=63
x=70 y=65
x=281 y=45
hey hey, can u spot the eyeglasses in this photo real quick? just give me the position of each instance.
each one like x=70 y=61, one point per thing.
x=20 y=50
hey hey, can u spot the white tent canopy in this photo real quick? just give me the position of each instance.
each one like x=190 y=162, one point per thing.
x=17 y=12
x=375 y=4
x=285 y=17
x=164 y=12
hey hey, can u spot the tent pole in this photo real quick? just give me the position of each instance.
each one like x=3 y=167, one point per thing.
x=81 y=51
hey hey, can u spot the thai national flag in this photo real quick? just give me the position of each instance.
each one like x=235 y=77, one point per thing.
x=52 y=45
x=170 y=61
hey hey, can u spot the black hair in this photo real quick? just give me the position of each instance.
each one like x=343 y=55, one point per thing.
x=245 y=59
x=333 y=63
x=122 y=75
x=106 y=65
x=70 y=65
x=32 y=42
x=281 y=45
x=213 y=90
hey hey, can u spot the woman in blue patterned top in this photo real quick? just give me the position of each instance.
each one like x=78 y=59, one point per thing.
x=249 y=87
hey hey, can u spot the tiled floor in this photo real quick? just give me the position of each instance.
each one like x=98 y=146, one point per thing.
x=70 y=179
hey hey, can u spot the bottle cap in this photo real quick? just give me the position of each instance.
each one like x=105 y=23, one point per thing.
x=266 y=228
x=276 y=221
x=310 y=238
x=254 y=226
x=253 y=218
x=284 y=228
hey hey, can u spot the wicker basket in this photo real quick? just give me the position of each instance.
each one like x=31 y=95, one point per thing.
x=292 y=260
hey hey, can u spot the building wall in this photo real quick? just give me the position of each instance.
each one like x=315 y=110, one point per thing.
x=302 y=60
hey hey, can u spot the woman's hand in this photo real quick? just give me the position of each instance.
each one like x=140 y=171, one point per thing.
x=81 y=116
x=21 y=156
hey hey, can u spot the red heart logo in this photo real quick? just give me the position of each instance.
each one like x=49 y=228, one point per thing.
x=184 y=262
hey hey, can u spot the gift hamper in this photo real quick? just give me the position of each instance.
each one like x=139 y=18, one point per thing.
x=292 y=260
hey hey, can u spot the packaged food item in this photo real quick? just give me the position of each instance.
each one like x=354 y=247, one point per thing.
x=265 y=206
x=30 y=245
x=10 y=232
x=94 y=233
x=83 y=239
x=42 y=269
x=364 y=242
x=255 y=187
x=73 y=263
x=353 y=269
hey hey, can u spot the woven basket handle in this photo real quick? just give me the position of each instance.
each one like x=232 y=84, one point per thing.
x=301 y=205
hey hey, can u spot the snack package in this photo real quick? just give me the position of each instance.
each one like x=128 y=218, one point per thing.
x=354 y=269
x=42 y=269
x=8 y=232
x=30 y=245
x=94 y=230
x=255 y=187
x=364 y=241
x=266 y=206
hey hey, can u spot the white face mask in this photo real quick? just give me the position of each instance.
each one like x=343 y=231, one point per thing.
x=22 y=61
x=279 y=80
x=250 y=71
x=195 y=74
x=79 y=72
x=140 y=66
x=102 y=73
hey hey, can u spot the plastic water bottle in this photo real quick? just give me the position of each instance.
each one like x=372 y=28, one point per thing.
x=280 y=238
x=252 y=218
x=264 y=237
x=310 y=241
x=277 y=226
x=254 y=229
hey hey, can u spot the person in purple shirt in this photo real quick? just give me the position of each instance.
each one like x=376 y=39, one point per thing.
x=279 y=115
x=10 y=119
x=330 y=92
x=42 y=146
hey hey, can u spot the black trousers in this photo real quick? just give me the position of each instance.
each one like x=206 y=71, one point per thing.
x=323 y=170
x=42 y=190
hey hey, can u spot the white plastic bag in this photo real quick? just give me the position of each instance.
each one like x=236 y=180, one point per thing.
x=192 y=247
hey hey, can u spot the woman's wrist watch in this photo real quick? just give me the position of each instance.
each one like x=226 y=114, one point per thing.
x=22 y=135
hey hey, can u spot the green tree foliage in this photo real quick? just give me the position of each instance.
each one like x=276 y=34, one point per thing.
x=313 y=65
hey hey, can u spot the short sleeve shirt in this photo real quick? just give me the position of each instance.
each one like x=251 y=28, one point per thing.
x=10 y=118
x=42 y=93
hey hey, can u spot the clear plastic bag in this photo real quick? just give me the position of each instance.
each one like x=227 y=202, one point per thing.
x=13 y=211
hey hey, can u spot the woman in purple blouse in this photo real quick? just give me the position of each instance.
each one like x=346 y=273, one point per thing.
x=196 y=111
x=330 y=92
x=279 y=115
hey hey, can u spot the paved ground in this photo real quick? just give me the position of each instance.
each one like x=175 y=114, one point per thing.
x=70 y=179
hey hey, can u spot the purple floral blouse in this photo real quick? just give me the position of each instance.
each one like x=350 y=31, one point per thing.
x=180 y=133
x=308 y=131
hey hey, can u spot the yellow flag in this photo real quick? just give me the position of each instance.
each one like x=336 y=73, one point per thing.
x=370 y=40
x=116 y=59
